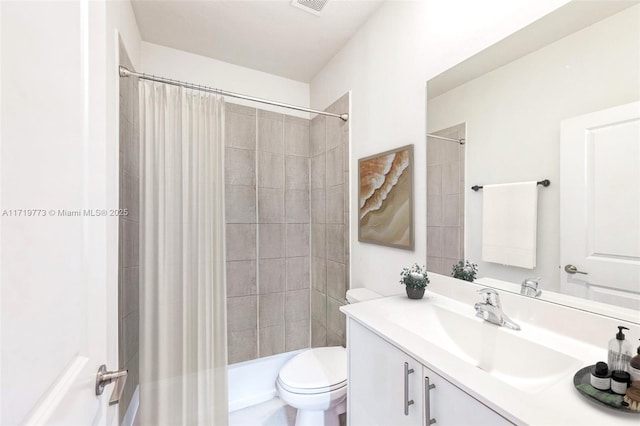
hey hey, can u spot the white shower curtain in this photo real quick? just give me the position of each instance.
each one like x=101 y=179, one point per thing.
x=183 y=351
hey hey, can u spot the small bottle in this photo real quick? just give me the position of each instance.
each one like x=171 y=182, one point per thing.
x=600 y=376
x=619 y=352
x=634 y=366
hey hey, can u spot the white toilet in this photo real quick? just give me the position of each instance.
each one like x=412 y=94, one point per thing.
x=315 y=381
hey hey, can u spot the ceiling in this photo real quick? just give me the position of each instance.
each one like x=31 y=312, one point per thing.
x=265 y=35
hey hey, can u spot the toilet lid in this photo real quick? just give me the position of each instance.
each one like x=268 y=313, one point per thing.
x=316 y=368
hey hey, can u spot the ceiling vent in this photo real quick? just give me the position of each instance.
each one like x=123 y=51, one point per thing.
x=311 y=6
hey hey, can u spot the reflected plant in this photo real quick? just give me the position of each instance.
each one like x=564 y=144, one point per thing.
x=464 y=270
x=414 y=276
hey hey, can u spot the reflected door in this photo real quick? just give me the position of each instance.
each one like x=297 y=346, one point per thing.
x=600 y=206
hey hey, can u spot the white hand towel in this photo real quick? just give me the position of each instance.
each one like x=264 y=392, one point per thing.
x=509 y=224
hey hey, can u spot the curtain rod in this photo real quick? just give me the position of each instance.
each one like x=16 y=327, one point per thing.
x=125 y=72
x=460 y=141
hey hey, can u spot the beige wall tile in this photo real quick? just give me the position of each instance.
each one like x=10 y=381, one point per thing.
x=241 y=278
x=318 y=334
x=131 y=243
x=318 y=306
x=240 y=130
x=270 y=205
x=270 y=133
x=318 y=206
x=129 y=291
x=298 y=273
x=239 y=167
x=318 y=171
x=298 y=239
x=297 y=335
x=434 y=241
x=272 y=340
x=335 y=319
x=434 y=210
x=451 y=242
x=434 y=264
x=240 y=204
x=297 y=173
x=317 y=135
x=272 y=276
x=271 y=309
x=272 y=242
x=270 y=170
x=242 y=345
x=297 y=206
x=296 y=138
x=297 y=305
x=242 y=313
x=319 y=274
x=335 y=204
x=451 y=213
x=335 y=167
x=240 y=241
x=335 y=243
x=434 y=180
x=240 y=109
x=450 y=178
x=336 y=280
x=319 y=240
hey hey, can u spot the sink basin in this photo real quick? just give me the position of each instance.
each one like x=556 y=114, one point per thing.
x=504 y=354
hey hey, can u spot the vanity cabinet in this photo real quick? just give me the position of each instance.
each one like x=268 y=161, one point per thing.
x=387 y=387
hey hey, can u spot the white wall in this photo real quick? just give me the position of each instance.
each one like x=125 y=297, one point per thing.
x=181 y=65
x=386 y=66
x=513 y=119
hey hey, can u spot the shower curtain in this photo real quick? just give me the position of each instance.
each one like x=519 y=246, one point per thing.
x=183 y=352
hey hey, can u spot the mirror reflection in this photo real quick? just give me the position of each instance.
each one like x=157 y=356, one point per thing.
x=557 y=101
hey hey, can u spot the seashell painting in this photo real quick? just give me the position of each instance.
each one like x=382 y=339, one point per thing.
x=385 y=198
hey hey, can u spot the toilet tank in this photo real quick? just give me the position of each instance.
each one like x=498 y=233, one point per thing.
x=356 y=295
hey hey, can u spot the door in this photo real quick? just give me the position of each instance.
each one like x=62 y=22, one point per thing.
x=55 y=329
x=445 y=404
x=600 y=206
x=385 y=384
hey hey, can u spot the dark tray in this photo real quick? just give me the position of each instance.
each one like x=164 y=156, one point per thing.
x=583 y=376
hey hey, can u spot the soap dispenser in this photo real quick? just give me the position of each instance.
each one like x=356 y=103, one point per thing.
x=619 y=351
x=634 y=366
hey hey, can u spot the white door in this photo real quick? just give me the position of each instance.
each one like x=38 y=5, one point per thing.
x=600 y=205
x=385 y=384
x=55 y=328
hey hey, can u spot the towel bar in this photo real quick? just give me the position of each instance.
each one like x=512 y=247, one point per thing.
x=545 y=182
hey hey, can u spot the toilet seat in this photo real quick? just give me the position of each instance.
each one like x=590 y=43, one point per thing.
x=315 y=371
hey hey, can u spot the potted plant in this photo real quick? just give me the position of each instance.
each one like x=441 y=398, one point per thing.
x=415 y=280
x=464 y=270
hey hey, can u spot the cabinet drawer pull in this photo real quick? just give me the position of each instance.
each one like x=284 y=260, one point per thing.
x=427 y=400
x=407 y=402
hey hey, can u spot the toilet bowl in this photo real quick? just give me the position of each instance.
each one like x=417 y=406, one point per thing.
x=315 y=381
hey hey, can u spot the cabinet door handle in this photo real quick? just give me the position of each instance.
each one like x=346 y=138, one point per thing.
x=407 y=402
x=427 y=400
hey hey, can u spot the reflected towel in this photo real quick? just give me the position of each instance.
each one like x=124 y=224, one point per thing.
x=509 y=224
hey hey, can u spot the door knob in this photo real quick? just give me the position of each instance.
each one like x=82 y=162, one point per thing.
x=104 y=377
x=571 y=269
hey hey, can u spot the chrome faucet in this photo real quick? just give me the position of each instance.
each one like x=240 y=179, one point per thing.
x=529 y=287
x=491 y=309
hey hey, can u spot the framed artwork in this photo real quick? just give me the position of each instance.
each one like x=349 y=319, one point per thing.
x=385 y=198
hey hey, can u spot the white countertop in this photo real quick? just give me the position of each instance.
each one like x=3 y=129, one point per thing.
x=559 y=404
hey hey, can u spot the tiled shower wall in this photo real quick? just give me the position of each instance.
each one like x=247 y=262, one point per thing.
x=128 y=243
x=267 y=232
x=329 y=225
x=445 y=200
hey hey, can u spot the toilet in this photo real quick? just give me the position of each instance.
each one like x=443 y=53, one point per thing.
x=315 y=381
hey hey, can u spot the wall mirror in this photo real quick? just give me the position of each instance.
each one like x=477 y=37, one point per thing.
x=558 y=100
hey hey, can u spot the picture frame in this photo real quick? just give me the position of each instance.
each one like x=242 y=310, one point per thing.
x=385 y=198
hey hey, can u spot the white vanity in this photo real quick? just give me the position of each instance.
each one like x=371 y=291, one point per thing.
x=416 y=362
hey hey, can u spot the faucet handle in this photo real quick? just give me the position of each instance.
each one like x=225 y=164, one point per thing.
x=490 y=296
